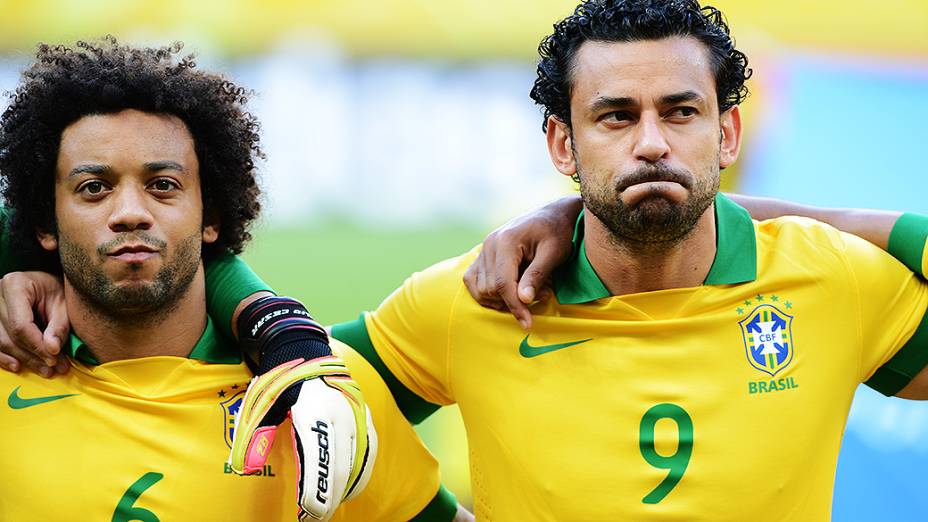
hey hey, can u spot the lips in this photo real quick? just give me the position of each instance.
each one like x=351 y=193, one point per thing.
x=136 y=253
x=132 y=249
x=639 y=178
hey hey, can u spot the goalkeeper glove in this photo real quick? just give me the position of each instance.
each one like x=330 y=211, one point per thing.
x=334 y=438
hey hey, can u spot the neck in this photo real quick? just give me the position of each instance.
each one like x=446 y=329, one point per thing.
x=626 y=268
x=174 y=330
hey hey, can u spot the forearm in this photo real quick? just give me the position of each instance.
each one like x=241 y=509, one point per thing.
x=231 y=286
x=244 y=303
x=873 y=225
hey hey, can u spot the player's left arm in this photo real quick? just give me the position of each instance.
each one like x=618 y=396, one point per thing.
x=875 y=226
x=890 y=305
x=908 y=242
x=905 y=236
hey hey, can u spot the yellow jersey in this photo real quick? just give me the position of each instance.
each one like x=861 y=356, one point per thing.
x=723 y=402
x=147 y=439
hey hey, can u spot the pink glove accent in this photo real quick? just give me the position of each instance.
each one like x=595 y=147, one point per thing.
x=259 y=449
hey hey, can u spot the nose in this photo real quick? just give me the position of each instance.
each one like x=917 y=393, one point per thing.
x=130 y=210
x=650 y=144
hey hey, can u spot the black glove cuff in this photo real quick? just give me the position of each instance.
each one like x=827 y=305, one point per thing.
x=280 y=329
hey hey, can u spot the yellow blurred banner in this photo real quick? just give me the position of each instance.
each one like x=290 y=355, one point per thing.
x=439 y=28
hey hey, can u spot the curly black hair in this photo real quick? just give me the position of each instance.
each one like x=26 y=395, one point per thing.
x=104 y=77
x=635 y=20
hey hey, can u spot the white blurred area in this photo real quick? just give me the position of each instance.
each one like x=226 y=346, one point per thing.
x=390 y=141
x=387 y=142
x=890 y=425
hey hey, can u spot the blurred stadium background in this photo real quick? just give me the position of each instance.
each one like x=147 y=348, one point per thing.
x=399 y=132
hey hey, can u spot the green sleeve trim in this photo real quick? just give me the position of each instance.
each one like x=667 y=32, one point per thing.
x=442 y=508
x=228 y=281
x=893 y=376
x=354 y=334
x=907 y=240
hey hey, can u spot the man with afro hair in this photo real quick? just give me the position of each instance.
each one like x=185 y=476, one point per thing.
x=128 y=171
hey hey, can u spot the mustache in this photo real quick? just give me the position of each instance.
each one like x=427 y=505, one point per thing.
x=659 y=172
x=131 y=237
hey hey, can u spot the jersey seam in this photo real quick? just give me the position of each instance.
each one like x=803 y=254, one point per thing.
x=860 y=318
x=451 y=310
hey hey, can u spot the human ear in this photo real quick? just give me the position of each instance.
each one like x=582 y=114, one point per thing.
x=48 y=240
x=730 y=139
x=560 y=146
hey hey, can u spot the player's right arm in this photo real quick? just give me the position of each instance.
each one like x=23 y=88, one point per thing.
x=34 y=321
x=22 y=296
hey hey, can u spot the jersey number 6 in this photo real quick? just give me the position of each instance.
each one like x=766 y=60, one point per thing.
x=676 y=462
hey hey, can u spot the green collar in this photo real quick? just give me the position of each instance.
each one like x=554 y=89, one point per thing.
x=735 y=257
x=211 y=348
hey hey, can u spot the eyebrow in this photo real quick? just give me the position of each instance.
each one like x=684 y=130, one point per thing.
x=680 y=97
x=90 y=169
x=154 y=166
x=151 y=166
x=624 y=102
x=608 y=102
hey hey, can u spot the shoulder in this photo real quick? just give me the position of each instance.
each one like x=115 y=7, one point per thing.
x=817 y=247
x=801 y=232
x=804 y=239
x=437 y=285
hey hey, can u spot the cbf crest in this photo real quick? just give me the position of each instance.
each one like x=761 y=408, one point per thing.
x=230 y=407
x=768 y=338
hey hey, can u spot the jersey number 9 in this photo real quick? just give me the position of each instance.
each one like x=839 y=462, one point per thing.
x=676 y=462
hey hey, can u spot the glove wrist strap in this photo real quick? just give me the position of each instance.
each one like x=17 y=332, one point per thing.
x=280 y=329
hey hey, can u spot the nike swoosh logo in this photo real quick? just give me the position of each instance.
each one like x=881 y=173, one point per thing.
x=526 y=350
x=17 y=403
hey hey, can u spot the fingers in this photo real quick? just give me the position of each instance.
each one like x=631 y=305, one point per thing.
x=13 y=358
x=325 y=428
x=505 y=283
x=373 y=445
x=548 y=256
x=477 y=277
x=63 y=366
x=9 y=363
x=545 y=294
x=251 y=441
x=485 y=261
x=57 y=325
x=20 y=295
x=258 y=450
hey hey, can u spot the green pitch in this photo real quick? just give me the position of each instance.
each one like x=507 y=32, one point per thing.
x=340 y=270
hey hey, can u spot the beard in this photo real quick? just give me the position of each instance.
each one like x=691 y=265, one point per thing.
x=655 y=220
x=142 y=302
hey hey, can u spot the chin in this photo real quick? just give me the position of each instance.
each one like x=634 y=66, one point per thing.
x=657 y=205
x=134 y=273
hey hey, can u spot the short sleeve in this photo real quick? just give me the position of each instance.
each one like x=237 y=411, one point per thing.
x=891 y=302
x=406 y=483
x=407 y=337
x=228 y=281
x=908 y=242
